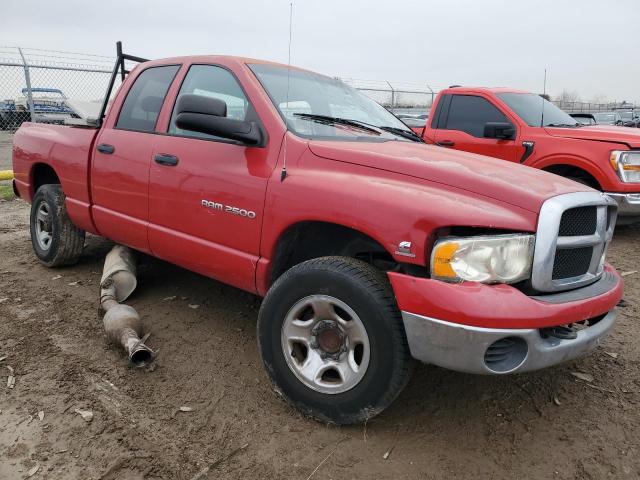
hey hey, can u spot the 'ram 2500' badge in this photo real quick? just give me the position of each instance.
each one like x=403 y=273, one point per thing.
x=241 y=212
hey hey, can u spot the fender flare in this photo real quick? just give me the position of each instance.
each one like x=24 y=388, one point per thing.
x=572 y=161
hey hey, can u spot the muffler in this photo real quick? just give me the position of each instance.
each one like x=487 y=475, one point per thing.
x=121 y=322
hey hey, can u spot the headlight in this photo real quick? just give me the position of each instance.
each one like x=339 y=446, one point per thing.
x=627 y=165
x=486 y=259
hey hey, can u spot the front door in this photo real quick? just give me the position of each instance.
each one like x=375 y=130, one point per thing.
x=120 y=166
x=207 y=193
x=463 y=128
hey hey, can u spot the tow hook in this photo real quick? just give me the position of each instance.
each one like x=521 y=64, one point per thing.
x=562 y=332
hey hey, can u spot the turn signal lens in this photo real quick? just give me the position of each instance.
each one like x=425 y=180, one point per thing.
x=626 y=164
x=486 y=259
x=441 y=260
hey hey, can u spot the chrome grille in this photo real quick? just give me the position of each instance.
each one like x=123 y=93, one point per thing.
x=571 y=262
x=574 y=231
x=578 y=221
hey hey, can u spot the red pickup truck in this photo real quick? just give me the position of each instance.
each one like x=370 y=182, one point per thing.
x=525 y=128
x=368 y=246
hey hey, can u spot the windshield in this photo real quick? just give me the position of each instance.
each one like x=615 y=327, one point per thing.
x=583 y=120
x=314 y=100
x=626 y=115
x=531 y=108
x=605 y=117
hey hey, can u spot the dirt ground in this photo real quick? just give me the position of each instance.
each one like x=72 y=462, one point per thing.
x=548 y=424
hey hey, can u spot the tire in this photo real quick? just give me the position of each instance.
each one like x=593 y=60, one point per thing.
x=356 y=291
x=55 y=240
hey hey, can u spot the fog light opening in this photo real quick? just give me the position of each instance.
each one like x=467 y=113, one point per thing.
x=506 y=355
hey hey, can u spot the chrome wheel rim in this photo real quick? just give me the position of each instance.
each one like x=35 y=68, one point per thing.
x=325 y=344
x=43 y=228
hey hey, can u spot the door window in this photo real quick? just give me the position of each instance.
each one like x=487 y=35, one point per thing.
x=215 y=82
x=469 y=113
x=144 y=100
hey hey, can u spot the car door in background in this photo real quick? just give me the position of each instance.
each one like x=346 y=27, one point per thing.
x=461 y=123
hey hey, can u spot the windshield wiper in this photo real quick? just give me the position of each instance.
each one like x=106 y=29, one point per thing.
x=563 y=125
x=327 y=120
x=410 y=134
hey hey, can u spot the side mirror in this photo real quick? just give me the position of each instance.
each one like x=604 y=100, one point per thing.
x=198 y=113
x=499 y=130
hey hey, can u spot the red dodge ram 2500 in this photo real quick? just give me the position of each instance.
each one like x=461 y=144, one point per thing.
x=525 y=128
x=368 y=246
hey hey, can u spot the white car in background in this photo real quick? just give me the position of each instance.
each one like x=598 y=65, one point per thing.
x=51 y=105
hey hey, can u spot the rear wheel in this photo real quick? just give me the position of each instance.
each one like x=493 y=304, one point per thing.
x=55 y=240
x=332 y=340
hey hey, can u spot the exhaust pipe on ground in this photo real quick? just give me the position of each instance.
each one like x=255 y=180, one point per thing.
x=121 y=322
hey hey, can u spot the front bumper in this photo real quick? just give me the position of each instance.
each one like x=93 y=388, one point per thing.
x=495 y=351
x=456 y=326
x=628 y=203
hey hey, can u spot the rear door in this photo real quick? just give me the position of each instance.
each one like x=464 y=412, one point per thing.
x=207 y=193
x=461 y=122
x=120 y=166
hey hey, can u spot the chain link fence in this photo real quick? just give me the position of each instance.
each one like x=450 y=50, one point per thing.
x=50 y=86
x=588 y=107
x=398 y=97
x=415 y=98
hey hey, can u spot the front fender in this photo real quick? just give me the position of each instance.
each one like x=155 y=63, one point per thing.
x=388 y=207
x=572 y=160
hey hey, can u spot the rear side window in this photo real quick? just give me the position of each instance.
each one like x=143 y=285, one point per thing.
x=469 y=113
x=144 y=100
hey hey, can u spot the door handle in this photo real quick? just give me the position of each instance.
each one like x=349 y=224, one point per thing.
x=106 y=148
x=446 y=143
x=168 y=160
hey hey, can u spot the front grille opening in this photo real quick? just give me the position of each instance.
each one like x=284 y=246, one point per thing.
x=560 y=331
x=506 y=354
x=589 y=322
x=572 y=262
x=578 y=221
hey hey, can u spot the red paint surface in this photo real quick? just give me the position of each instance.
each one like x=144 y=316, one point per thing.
x=494 y=306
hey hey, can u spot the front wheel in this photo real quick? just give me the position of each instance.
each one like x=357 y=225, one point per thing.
x=55 y=240
x=332 y=340
x=583 y=181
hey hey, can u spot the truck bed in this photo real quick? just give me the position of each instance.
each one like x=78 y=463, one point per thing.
x=40 y=150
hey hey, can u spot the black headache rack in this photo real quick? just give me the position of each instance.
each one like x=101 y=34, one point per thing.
x=117 y=68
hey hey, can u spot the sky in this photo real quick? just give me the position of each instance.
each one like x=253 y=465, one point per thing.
x=587 y=46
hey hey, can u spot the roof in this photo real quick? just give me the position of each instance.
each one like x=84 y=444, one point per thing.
x=485 y=90
x=220 y=59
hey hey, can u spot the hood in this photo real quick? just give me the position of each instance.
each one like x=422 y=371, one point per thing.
x=600 y=133
x=516 y=184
